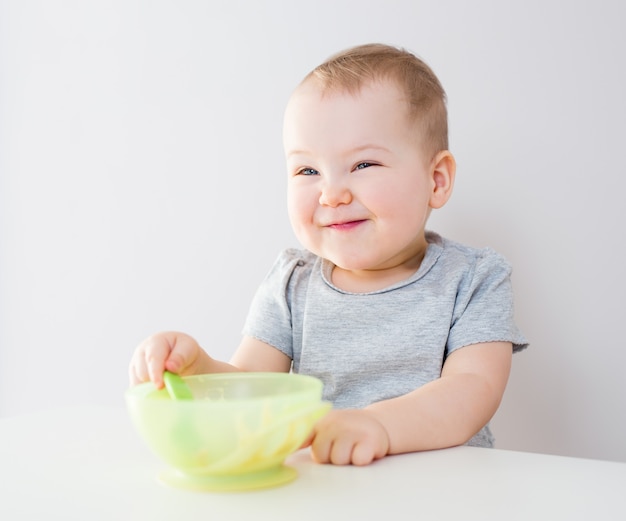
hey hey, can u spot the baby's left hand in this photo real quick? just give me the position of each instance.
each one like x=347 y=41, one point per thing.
x=350 y=436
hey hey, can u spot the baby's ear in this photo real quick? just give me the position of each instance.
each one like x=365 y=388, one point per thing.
x=443 y=170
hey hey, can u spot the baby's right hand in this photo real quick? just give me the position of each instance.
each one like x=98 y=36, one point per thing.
x=169 y=351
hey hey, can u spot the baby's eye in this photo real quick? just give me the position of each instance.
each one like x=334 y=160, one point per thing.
x=364 y=164
x=307 y=171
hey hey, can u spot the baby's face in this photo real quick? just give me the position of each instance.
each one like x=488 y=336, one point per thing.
x=359 y=186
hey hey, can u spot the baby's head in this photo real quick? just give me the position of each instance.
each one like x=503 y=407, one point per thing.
x=353 y=68
x=365 y=137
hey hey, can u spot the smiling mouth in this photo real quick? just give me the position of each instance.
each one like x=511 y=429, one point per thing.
x=347 y=225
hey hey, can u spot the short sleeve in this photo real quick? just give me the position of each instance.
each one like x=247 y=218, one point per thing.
x=483 y=309
x=269 y=318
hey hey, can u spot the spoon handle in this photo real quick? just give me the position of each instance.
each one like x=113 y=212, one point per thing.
x=176 y=387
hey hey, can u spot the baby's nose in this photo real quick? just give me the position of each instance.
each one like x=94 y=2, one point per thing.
x=334 y=193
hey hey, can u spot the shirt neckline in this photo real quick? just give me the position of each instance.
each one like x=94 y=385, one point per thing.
x=434 y=250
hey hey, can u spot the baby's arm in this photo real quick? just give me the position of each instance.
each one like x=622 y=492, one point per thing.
x=443 y=413
x=179 y=353
x=255 y=355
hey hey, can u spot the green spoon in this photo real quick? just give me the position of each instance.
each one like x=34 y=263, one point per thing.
x=176 y=387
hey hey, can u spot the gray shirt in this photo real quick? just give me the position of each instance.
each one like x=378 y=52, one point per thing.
x=367 y=347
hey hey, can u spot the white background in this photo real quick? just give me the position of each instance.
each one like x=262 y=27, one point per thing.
x=142 y=184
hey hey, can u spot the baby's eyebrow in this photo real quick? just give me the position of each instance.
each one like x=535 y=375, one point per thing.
x=370 y=146
x=356 y=149
x=297 y=153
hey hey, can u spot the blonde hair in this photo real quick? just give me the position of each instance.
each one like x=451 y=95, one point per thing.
x=349 y=70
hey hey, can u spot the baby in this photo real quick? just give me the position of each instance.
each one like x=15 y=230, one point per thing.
x=412 y=334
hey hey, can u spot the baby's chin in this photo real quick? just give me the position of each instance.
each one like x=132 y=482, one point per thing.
x=350 y=259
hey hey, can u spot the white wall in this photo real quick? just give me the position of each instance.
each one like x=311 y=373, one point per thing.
x=141 y=183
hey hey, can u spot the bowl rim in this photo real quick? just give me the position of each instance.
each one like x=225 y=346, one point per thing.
x=145 y=389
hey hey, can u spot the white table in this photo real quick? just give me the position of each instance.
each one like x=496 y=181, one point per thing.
x=89 y=464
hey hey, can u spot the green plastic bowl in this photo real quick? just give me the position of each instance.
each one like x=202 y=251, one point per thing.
x=235 y=433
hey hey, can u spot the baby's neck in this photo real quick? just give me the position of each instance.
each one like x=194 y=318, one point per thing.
x=366 y=281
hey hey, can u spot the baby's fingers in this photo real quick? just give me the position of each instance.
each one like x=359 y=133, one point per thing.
x=148 y=362
x=137 y=371
x=183 y=353
x=155 y=360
